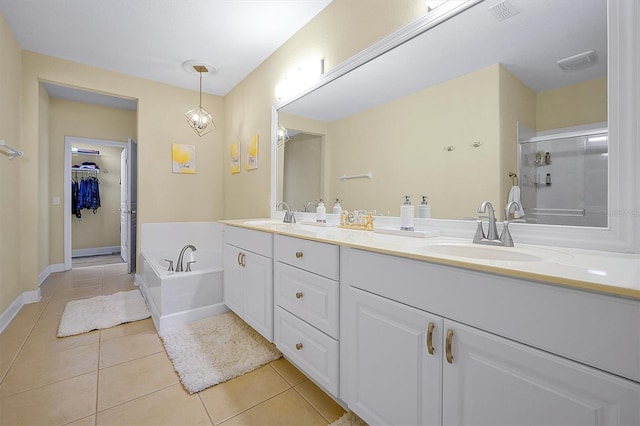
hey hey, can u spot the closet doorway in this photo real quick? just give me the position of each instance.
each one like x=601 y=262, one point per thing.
x=100 y=229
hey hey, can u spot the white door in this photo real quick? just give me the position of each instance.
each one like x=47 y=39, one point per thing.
x=393 y=361
x=495 y=381
x=124 y=226
x=132 y=181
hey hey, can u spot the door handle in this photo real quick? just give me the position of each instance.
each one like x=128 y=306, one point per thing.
x=430 y=338
x=448 y=346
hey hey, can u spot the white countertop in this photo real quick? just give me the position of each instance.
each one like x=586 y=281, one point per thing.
x=605 y=272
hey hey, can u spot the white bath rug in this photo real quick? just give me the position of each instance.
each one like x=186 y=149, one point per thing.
x=81 y=316
x=349 y=419
x=215 y=349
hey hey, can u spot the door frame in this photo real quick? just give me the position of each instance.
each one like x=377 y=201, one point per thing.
x=68 y=141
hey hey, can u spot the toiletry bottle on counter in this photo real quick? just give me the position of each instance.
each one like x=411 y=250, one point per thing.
x=337 y=208
x=321 y=212
x=424 y=209
x=406 y=214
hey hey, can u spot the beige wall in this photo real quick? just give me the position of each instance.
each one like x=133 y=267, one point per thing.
x=341 y=30
x=70 y=118
x=11 y=285
x=575 y=105
x=403 y=144
x=517 y=104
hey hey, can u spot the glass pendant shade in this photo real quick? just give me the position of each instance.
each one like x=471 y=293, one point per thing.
x=199 y=118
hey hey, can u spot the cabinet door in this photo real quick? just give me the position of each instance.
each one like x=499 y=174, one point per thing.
x=232 y=287
x=392 y=379
x=257 y=283
x=495 y=381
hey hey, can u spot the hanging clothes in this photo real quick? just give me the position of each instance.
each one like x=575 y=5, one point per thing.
x=87 y=195
x=75 y=192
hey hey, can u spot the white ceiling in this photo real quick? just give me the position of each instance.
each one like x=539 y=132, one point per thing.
x=527 y=44
x=152 y=39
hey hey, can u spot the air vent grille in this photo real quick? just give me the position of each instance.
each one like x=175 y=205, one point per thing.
x=579 y=61
x=504 y=10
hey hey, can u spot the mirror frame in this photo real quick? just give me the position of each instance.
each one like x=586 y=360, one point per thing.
x=623 y=231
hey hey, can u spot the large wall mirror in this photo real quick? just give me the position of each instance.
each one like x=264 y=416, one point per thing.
x=490 y=95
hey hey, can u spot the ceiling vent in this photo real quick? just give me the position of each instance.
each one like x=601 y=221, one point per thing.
x=504 y=10
x=579 y=61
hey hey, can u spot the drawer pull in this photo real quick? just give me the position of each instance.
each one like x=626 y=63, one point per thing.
x=430 y=338
x=299 y=295
x=299 y=346
x=448 y=346
x=299 y=255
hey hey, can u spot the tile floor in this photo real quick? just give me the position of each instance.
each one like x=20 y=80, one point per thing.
x=122 y=375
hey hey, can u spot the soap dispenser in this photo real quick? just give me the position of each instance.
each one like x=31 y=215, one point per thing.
x=337 y=208
x=406 y=214
x=424 y=209
x=321 y=212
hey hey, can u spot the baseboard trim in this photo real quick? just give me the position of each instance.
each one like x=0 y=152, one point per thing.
x=96 y=251
x=26 y=297
x=56 y=267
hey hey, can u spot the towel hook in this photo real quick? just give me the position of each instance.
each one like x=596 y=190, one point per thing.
x=514 y=178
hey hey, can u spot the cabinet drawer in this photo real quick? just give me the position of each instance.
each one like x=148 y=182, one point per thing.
x=319 y=258
x=250 y=240
x=313 y=351
x=309 y=296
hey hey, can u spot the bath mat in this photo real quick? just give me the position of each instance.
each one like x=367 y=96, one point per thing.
x=81 y=316
x=215 y=349
x=349 y=419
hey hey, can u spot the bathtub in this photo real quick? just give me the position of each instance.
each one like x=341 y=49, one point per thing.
x=176 y=298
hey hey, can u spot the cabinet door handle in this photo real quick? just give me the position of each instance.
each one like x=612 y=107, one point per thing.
x=241 y=258
x=239 y=254
x=448 y=346
x=299 y=346
x=299 y=255
x=299 y=295
x=430 y=338
x=244 y=260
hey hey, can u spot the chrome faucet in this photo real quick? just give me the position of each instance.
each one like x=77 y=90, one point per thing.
x=179 y=266
x=310 y=203
x=289 y=217
x=491 y=237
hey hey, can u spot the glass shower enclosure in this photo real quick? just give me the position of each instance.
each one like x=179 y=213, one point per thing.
x=564 y=177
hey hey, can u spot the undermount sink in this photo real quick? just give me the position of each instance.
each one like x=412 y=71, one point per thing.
x=477 y=251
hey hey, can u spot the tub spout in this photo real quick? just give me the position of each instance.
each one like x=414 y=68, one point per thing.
x=179 y=266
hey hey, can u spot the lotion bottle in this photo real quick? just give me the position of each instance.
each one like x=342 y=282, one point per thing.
x=406 y=214
x=424 y=209
x=337 y=208
x=321 y=212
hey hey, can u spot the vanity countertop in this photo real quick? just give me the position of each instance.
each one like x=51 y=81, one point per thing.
x=611 y=273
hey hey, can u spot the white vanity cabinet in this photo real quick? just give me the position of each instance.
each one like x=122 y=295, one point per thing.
x=248 y=277
x=480 y=372
x=307 y=305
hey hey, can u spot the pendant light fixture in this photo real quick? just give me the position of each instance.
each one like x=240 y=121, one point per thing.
x=199 y=118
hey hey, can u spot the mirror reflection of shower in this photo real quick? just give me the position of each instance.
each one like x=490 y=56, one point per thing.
x=563 y=175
